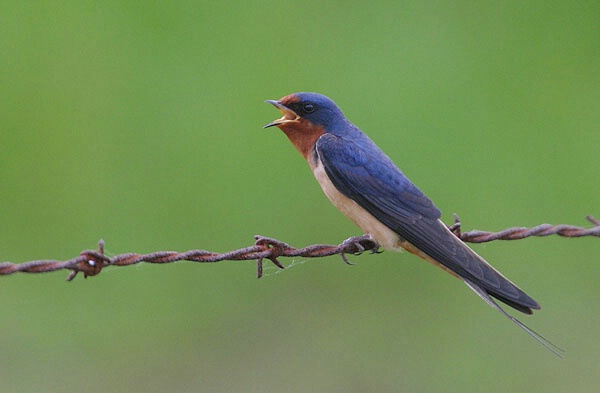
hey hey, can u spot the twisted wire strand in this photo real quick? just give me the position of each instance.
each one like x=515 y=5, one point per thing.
x=91 y=262
x=516 y=233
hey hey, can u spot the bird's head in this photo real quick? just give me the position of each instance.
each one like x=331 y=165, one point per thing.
x=306 y=117
x=300 y=109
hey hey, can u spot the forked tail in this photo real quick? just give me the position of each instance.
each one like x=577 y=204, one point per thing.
x=488 y=299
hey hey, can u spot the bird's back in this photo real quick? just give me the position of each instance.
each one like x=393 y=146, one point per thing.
x=363 y=173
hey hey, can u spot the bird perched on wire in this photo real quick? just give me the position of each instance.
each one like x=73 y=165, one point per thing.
x=366 y=185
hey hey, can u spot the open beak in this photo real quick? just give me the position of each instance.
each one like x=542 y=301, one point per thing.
x=289 y=116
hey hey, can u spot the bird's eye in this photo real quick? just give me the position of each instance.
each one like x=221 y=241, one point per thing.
x=308 y=108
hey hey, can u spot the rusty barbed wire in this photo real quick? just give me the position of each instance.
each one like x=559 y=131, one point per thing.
x=516 y=233
x=91 y=262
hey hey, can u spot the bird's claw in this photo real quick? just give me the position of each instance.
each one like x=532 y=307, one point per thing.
x=356 y=245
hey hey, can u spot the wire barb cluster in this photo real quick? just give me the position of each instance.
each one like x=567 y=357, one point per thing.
x=91 y=262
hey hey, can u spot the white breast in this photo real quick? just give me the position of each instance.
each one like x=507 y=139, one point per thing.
x=365 y=220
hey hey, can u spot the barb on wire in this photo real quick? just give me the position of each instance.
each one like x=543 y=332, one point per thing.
x=517 y=233
x=91 y=262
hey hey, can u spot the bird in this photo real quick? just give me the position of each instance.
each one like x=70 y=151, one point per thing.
x=367 y=186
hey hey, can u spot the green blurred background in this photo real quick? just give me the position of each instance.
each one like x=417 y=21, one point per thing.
x=140 y=123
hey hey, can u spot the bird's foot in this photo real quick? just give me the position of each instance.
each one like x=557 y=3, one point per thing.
x=356 y=245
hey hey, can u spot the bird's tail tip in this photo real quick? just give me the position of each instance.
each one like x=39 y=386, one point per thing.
x=555 y=349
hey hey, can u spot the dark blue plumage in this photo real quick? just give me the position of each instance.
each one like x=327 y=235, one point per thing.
x=369 y=178
x=366 y=185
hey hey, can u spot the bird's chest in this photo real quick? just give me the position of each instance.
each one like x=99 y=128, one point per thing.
x=365 y=220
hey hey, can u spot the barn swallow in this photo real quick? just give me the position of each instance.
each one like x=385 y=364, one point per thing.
x=366 y=185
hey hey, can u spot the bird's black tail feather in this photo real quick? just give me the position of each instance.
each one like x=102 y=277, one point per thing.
x=541 y=339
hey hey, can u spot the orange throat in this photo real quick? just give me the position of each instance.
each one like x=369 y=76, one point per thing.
x=303 y=134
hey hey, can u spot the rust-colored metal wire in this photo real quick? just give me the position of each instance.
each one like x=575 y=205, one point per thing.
x=91 y=262
x=517 y=233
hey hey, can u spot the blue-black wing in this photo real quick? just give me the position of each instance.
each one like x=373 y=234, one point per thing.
x=363 y=173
